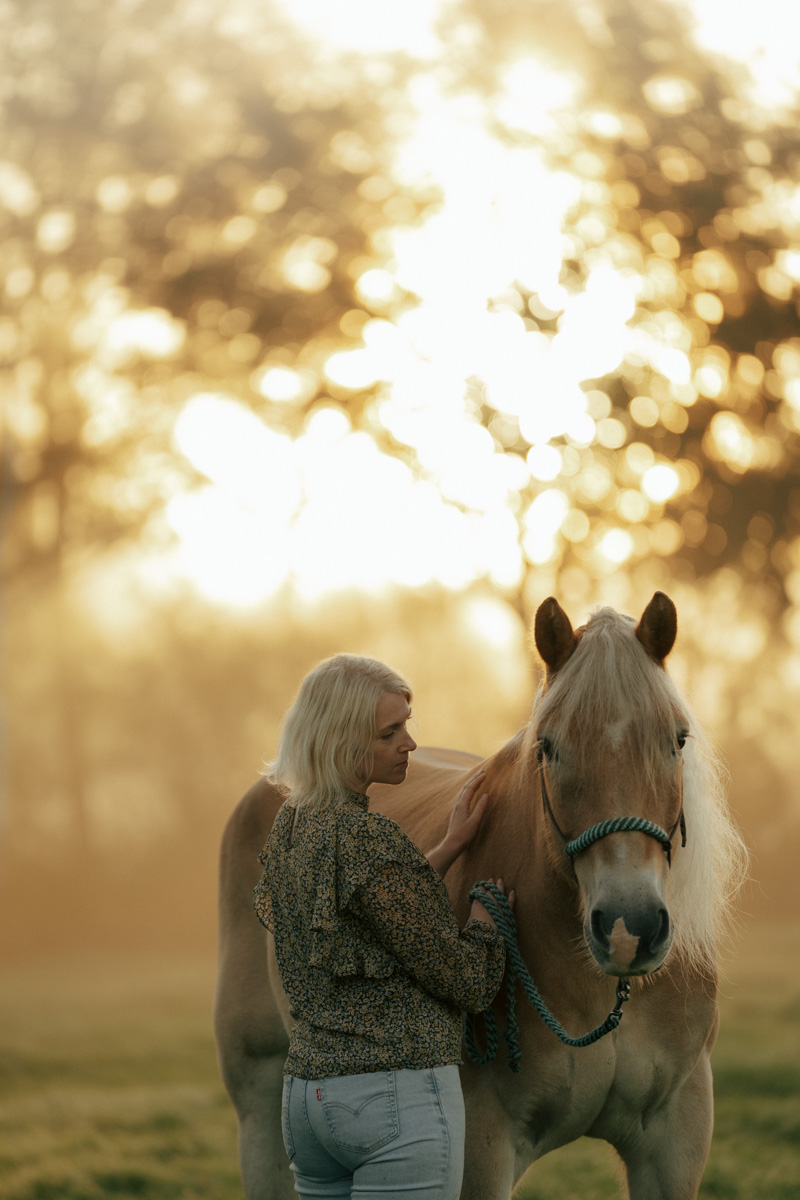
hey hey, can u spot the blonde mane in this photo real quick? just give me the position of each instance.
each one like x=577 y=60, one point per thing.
x=610 y=678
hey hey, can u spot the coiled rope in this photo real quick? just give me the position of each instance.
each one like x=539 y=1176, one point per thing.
x=501 y=912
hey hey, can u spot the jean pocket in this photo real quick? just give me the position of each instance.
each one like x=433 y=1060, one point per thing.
x=361 y=1111
x=288 y=1141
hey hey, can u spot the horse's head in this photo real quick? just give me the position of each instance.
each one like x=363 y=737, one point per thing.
x=608 y=734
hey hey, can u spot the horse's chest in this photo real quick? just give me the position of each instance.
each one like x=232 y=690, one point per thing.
x=563 y=1096
x=599 y=1089
x=644 y=1077
x=648 y=1070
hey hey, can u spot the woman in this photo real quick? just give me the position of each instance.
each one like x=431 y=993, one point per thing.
x=369 y=951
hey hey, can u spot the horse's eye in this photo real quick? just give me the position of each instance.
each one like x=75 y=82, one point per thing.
x=680 y=737
x=544 y=749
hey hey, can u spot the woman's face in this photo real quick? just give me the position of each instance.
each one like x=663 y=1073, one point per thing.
x=392 y=742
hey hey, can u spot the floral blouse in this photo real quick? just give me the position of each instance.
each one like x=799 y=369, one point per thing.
x=377 y=971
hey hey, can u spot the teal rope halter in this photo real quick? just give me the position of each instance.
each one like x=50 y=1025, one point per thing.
x=614 y=825
x=500 y=910
x=618 y=825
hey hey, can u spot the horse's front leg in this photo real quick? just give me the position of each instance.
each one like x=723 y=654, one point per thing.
x=665 y=1159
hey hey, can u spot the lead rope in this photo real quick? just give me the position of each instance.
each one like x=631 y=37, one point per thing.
x=501 y=912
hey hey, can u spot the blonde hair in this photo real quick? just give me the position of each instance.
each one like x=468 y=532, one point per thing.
x=323 y=751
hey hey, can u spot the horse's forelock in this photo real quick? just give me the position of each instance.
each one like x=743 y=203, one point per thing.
x=610 y=680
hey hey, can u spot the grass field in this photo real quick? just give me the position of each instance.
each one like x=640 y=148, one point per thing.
x=109 y=1085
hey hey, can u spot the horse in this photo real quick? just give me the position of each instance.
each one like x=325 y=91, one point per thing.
x=587 y=806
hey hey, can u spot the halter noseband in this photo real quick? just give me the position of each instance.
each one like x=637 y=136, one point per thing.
x=614 y=825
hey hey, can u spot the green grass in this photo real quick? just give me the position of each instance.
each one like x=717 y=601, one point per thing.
x=109 y=1086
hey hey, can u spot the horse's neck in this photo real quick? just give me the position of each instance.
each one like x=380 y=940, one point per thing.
x=513 y=845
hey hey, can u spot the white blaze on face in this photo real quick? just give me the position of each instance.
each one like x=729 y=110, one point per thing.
x=622 y=945
x=616 y=731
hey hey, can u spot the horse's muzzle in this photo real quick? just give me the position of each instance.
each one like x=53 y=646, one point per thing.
x=632 y=942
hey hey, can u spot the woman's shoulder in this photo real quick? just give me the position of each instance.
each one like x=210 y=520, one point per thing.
x=368 y=843
x=380 y=839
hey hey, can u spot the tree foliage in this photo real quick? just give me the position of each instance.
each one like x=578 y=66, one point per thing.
x=164 y=173
x=191 y=192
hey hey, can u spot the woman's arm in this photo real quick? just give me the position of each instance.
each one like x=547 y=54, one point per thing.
x=410 y=914
x=463 y=826
x=460 y=832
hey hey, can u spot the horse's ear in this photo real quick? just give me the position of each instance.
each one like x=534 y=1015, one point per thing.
x=658 y=627
x=553 y=634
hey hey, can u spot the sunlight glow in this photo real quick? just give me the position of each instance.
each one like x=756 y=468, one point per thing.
x=227 y=548
x=532 y=93
x=767 y=47
x=729 y=439
x=544 y=463
x=238 y=453
x=55 y=231
x=151 y=332
x=280 y=511
x=660 y=482
x=475 y=345
x=497 y=625
x=616 y=546
x=543 y=520
x=370 y=28
x=353 y=369
x=671 y=94
x=375 y=286
x=285 y=385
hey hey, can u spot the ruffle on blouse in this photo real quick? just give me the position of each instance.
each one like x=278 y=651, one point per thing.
x=344 y=861
x=377 y=841
x=337 y=949
x=337 y=946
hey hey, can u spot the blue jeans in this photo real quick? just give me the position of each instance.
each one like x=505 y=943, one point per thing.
x=386 y=1133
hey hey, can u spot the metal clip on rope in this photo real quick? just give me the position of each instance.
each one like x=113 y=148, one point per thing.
x=501 y=912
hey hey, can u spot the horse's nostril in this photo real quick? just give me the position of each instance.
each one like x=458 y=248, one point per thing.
x=662 y=931
x=600 y=927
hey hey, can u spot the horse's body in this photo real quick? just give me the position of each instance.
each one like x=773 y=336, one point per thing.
x=605 y=741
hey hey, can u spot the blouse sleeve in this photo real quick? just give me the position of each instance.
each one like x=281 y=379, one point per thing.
x=407 y=908
x=262 y=901
x=276 y=844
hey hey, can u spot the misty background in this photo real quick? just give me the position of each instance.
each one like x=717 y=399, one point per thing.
x=325 y=329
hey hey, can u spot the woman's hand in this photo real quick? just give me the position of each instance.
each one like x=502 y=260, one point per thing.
x=478 y=913
x=464 y=824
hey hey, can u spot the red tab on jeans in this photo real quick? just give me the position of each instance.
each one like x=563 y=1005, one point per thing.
x=319 y=1093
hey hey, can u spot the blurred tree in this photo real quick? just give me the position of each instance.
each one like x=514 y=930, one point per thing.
x=689 y=187
x=180 y=203
x=175 y=204
x=191 y=193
